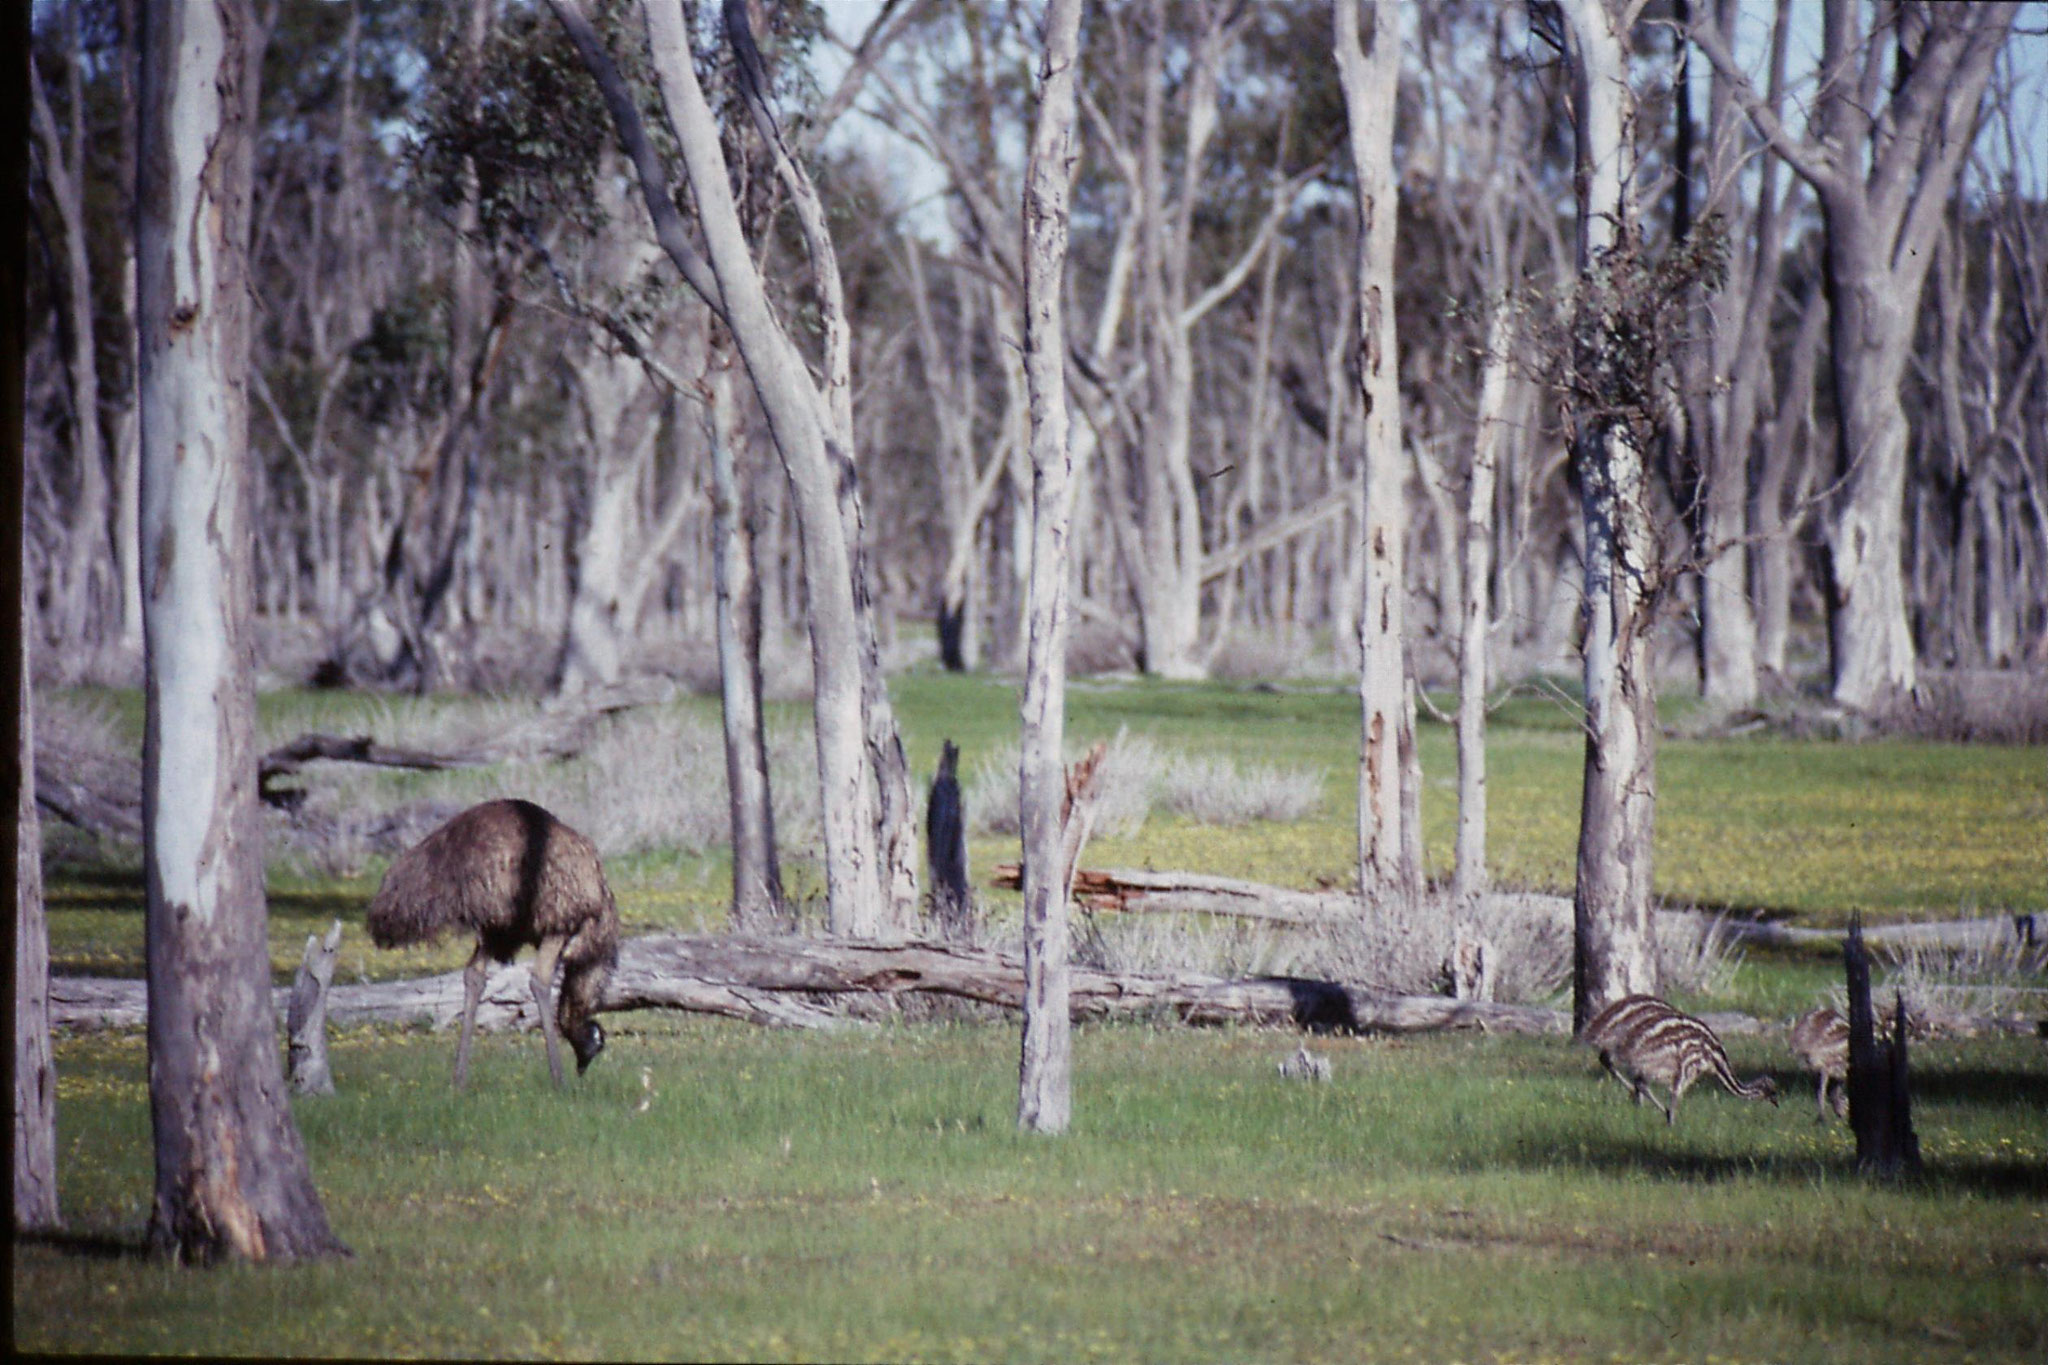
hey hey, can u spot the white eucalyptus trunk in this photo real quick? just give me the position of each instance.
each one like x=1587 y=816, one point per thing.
x=231 y=1174
x=1368 y=48
x=1044 y=1100
x=801 y=422
x=1475 y=609
x=1614 y=950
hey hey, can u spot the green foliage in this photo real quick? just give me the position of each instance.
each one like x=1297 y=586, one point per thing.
x=521 y=127
x=766 y=1195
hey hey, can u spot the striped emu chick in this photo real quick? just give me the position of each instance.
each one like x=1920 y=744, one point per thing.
x=1820 y=1038
x=514 y=876
x=1642 y=1040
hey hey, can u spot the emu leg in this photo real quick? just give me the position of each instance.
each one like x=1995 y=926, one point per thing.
x=1821 y=1100
x=1607 y=1062
x=472 y=992
x=1677 y=1094
x=544 y=996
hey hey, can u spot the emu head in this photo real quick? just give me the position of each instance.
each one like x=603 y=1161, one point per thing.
x=586 y=1040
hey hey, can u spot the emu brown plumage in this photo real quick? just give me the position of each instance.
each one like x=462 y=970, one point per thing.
x=1642 y=1039
x=515 y=876
x=1820 y=1038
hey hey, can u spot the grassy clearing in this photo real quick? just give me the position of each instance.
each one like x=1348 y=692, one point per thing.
x=797 y=1197
x=1810 y=828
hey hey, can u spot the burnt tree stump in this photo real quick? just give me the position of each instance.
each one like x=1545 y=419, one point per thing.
x=1880 y=1100
x=945 y=827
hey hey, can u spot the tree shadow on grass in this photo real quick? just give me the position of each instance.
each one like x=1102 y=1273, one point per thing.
x=87 y=1245
x=1666 y=1156
x=2023 y=1090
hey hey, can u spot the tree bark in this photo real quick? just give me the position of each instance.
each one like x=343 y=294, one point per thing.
x=231 y=1173
x=756 y=870
x=1880 y=1102
x=800 y=421
x=87 y=558
x=35 y=1065
x=1368 y=49
x=1726 y=369
x=306 y=1016
x=1883 y=165
x=1045 y=1066
x=1614 y=950
x=1469 y=879
x=621 y=423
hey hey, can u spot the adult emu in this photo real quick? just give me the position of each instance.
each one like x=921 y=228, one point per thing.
x=515 y=876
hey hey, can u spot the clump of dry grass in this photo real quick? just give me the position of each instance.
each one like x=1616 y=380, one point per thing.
x=1974 y=706
x=1945 y=984
x=1252 y=653
x=1137 y=777
x=1124 y=786
x=1216 y=791
x=1403 y=951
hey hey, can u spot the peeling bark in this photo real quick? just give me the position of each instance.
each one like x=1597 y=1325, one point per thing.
x=231 y=1174
x=1045 y=1066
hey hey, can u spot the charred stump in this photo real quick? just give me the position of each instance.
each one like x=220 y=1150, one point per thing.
x=952 y=628
x=1880 y=1101
x=306 y=1016
x=945 y=826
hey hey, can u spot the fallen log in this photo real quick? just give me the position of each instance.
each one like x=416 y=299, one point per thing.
x=779 y=982
x=1135 y=891
x=787 y=982
x=1138 y=892
x=287 y=759
x=649 y=967
x=1990 y=931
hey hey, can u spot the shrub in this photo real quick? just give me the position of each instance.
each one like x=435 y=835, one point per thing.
x=1215 y=791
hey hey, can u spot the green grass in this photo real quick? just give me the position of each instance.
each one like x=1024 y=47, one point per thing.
x=790 y=1196
x=805 y=1197
x=1809 y=829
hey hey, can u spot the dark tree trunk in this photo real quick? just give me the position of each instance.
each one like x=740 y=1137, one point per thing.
x=231 y=1174
x=952 y=626
x=945 y=826
x=1880 y=1104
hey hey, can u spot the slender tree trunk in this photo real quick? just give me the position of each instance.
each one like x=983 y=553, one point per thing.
x=1044 y=1100
x=127 y=448
x=35 y=1065
x=1776 y=491
x=801 y=422
x=231 y=1173
x=756 y=871
x=35 y=1076
x=87 y=544
x=621 y=422
x=1475 y=610
x=1368 y=48
x=1613 y=946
